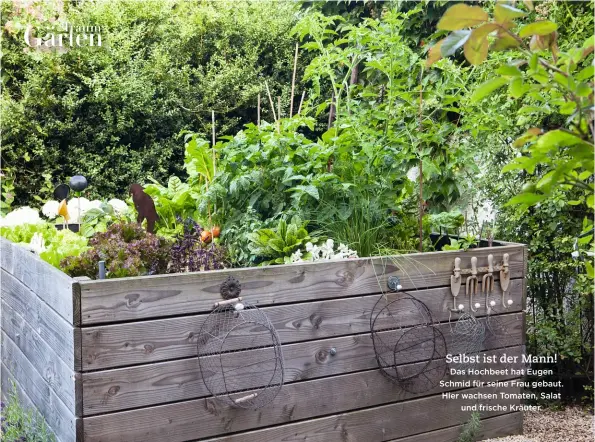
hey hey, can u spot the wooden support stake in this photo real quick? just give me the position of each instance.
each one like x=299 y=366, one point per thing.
x=258 y=111
x=331 y=114
x=279 y=114
x=421 y=166
x=301 y=102
x=266 y=83
x=295 y=59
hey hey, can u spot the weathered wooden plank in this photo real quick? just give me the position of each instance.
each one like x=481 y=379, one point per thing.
x=302 y=400
x=379 y=423
x=492 y=427
x=162 y=339
x=51 y=327
x=6 y=382
x=165 y=295
x=59 y=377
x=6 y=255
x=47 y=282
x=62 y=421
x=144 y=385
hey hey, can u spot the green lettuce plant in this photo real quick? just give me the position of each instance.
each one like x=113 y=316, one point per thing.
x=52 y=245
x=275 y=246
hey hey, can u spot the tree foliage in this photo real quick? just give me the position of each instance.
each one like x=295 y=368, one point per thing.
x=113 y=113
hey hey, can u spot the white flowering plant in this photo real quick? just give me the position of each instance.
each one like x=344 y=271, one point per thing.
x=21 y=216
x=325 y=251
x=94 y=216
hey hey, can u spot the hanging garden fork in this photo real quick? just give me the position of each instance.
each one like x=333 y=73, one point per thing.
x=505 y=280
x=471 y=288
x=487 y=282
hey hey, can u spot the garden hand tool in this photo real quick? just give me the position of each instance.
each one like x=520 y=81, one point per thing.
x=455 y=284
x=487 y=282
x=471 y=288
x=505 y=280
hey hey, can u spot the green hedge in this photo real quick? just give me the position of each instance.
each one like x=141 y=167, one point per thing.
x=113 y=113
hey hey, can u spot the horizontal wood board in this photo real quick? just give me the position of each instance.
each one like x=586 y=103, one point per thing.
x=59 y=377
x=129 y=299
x=152 y=384
x=115 y=345
x=18 y=368
x=207 y=417
x=48 y=283
x=378 y=423
x=491 y=428
x=49 y=325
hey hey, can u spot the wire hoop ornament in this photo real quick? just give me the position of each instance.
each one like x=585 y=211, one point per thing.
x=239 y=352
x=409 y=349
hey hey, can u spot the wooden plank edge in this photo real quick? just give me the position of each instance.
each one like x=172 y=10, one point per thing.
x=295 y=402
x=144 y=341
x=154 y=384
x=43 y=279
x=378 y=422
x=54 y=329
x=64 y=422
x=56 y=373
x=491 y=427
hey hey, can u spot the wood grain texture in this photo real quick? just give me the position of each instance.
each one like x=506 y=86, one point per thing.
x=379 y=423
x=61 y=419
x=53 y=370
x=47 y=282
x=51 y=327
x=152 y=384
x=302 y=400
x=155 y=340
x=128 y=299
x=493 y=427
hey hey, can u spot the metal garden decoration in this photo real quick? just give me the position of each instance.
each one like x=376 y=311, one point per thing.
x=409 y=349
x=239 y=352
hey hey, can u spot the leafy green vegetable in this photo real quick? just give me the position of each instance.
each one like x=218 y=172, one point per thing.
x=277 y=245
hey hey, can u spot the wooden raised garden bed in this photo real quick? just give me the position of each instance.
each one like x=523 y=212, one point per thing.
x=116 y=360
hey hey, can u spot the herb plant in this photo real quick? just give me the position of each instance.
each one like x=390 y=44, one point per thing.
x=190 y=254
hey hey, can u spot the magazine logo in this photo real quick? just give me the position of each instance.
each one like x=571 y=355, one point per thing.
x=66 y=36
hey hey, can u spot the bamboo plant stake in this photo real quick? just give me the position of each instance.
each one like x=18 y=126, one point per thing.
x=279 y=113
x=266 y=83
x=295 y=59
x=301 y=102
x=258 y=111
x=421 y=170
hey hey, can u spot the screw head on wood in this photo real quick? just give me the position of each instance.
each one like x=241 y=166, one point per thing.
x=333 y=351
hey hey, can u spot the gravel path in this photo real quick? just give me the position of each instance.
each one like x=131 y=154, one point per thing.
x=569 y=425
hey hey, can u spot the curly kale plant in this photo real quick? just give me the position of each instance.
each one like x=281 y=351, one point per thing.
x=126 y=248
x=190 y=254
